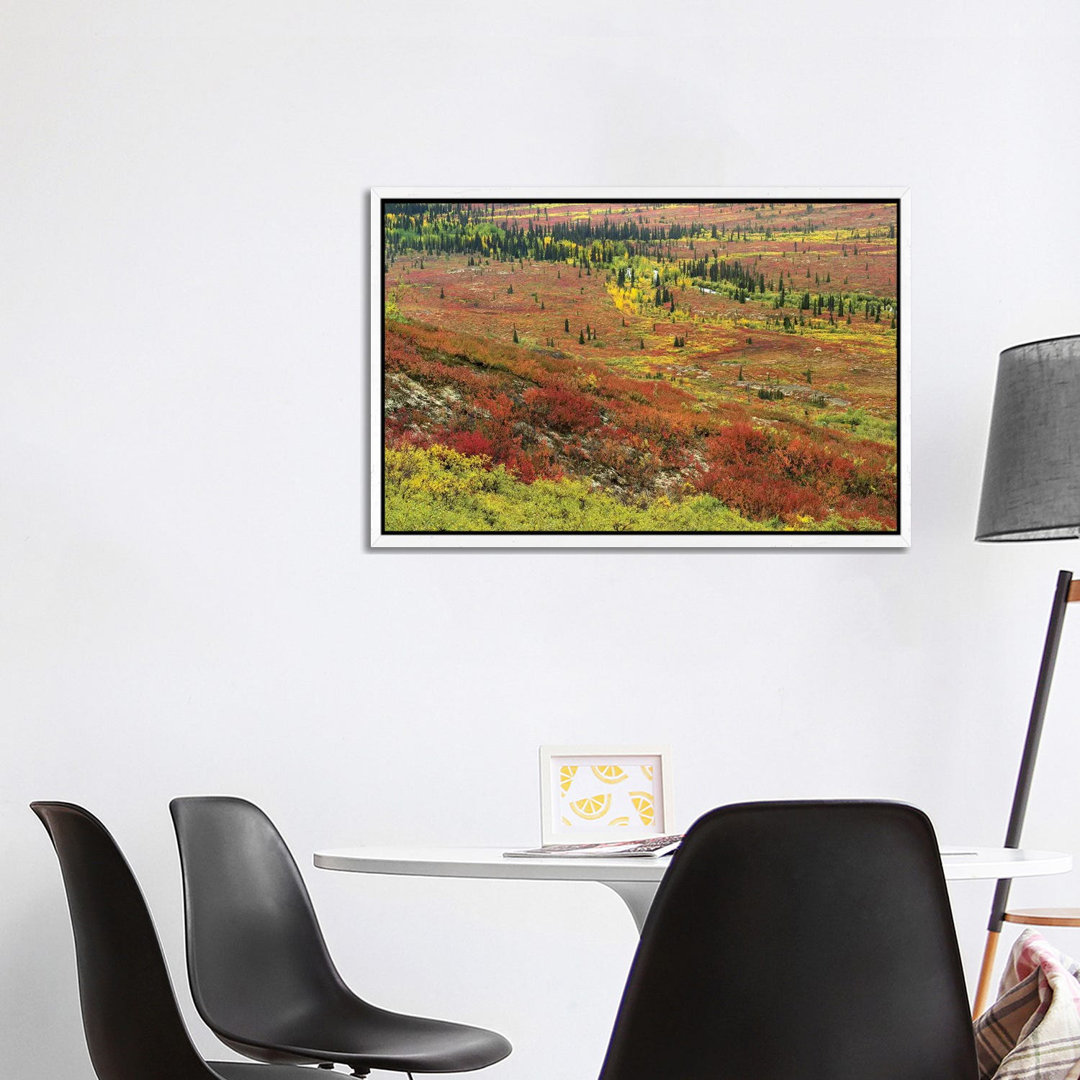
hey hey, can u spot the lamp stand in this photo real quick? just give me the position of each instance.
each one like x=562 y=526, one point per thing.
x=1066 y=591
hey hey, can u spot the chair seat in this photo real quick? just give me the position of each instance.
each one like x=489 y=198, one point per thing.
x=364 y=1037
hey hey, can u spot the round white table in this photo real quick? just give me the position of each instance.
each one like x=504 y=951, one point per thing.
x=636 y=879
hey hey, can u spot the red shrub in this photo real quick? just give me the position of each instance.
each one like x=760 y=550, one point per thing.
x=470 y=443
x=739 y=444
x=757 y=494
x=562 y=410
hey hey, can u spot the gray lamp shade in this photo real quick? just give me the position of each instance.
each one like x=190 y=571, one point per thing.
x=1031 y=484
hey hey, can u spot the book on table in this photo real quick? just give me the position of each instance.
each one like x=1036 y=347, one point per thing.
x=648 y=847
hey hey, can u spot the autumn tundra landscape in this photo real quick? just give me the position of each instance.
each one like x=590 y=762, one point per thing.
x=651 y=367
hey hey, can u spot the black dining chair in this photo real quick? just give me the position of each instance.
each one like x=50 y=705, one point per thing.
x=798 y=941
x=259 y=969
x=133 y=1026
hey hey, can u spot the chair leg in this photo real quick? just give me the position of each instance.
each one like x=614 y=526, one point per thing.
x=982 y=992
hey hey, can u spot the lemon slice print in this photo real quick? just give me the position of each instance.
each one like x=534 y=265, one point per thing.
x=646 y=771
x=624 y=820
x=643 y=804
x=609 y=774
x=592 y=807
x=566 y=777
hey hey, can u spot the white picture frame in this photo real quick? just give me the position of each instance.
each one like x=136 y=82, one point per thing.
x=792 y=534
x=590 y=794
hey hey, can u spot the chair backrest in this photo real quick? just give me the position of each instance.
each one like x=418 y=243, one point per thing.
x=798 y=941
x=255 y=952
x=132 y=1022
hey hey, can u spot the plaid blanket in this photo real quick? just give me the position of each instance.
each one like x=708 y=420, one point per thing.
x=1032 y=1031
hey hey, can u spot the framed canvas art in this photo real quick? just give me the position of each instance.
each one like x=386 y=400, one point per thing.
x=596 y=793
x=716 y=368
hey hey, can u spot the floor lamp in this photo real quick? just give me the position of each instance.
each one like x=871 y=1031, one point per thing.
x=1031 y=491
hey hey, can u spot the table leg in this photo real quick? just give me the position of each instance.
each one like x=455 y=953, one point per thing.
x=637 y=896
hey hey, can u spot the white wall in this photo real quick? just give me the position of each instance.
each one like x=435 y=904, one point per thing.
x=186 y=602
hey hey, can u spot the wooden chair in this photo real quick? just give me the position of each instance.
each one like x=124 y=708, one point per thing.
x=1067 y=592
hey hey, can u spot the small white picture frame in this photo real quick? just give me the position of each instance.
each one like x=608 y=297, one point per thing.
x=590 y=794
